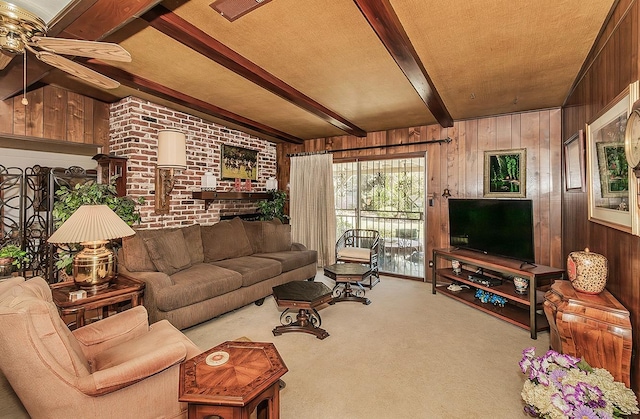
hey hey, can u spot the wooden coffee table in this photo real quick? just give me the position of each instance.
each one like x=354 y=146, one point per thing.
x=232 y=380
x=121 y=289
x=304 y=296
x=345 y=275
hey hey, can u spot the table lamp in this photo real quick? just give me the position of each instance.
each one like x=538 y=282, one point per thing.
x=92 y=226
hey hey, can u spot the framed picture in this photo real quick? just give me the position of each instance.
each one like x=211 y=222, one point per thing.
x=574 y=163
x=504 y=173
x=608 y=177
x=239 y=163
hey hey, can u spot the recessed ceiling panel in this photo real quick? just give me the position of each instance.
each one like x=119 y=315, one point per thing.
x=494 y=57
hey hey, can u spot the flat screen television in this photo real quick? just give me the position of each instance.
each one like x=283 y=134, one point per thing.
x=500 y=227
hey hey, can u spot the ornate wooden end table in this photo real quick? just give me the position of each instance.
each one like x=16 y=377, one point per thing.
x=232 y=380
x=594 y=327
x=121 y=289
x=346 y=274
x=304 y=296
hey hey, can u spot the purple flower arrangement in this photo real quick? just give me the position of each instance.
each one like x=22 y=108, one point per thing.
x=562 y=386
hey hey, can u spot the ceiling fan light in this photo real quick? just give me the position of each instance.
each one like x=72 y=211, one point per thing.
x=12 y=43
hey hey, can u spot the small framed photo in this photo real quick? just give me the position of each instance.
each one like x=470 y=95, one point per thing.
x=505 y=174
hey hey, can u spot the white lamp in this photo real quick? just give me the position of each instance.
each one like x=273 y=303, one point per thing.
x=92 y=226
x=172 y=154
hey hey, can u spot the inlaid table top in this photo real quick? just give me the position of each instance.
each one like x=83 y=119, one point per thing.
x=248 y=370
x=347 y=269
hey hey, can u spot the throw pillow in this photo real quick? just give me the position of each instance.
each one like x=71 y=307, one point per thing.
x=254 y=234
x=225 y=240
x=135 y=255
x=168 y=251
x=276 y=237
x=193 y=239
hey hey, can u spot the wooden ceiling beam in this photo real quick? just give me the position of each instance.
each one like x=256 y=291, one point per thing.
x=135 y=82
x=172 y=25
x=91 y=20
x=385 y=23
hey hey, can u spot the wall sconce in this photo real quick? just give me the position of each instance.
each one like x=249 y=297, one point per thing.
x=446 y=193
x=172 y=154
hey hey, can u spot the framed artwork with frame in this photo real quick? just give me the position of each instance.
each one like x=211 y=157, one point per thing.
x=239 y=163
x=505 y=174
x=611 y=190
x=574 y=163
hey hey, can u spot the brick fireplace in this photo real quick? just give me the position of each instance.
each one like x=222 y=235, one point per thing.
x=134 y=124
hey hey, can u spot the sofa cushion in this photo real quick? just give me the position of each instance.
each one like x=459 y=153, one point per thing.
x=197 y=283
x=292 y=259
x=168 y=251
x=253 y=229
x=193 y=239
x=252 y=269
x=135 y=255
x=225 y=240
x=276 y=237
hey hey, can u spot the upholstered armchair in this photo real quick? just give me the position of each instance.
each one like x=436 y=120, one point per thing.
x=117 y=367
x=360 y=246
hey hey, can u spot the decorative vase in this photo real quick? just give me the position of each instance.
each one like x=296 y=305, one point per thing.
x=587 y=271
x=521 y=284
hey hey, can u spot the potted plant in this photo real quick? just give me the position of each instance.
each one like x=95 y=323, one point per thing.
x=274 y=207
x=68 y=200
x=11 y=256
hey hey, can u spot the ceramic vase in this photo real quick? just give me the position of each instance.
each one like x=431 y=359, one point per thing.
x=587 y=271
x=521 y=285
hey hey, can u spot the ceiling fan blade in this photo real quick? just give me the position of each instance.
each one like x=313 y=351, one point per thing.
x=91 y=49
x=5 y=59
x=77 y=70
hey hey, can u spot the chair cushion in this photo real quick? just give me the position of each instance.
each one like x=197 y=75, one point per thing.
x=168 y=251
x=354 y=253
x=253 y=269
x=225 y=240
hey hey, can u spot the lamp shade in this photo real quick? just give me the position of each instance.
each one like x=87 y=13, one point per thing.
x=91 y=223
x=172 y=152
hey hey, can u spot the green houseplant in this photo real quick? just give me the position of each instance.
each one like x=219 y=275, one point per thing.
x=68 y=200
x=11 y=256
x=274 y=207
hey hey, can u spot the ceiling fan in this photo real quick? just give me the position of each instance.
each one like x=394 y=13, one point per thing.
x=21 y=31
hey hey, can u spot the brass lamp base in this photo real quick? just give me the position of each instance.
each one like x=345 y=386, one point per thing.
x=94 y=266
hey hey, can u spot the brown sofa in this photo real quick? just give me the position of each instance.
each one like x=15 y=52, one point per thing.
x=195 y=273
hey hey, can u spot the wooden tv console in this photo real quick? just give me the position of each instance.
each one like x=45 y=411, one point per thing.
x=523 y=310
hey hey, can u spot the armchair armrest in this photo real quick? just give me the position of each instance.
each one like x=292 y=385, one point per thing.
x=111 y=331
x=131 y=371
x=298 y=246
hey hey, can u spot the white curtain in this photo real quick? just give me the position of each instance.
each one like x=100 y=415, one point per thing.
x=312 y=205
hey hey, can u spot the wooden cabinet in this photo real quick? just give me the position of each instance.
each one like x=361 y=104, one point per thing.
x=594 y=327
x=112 y=168
x=521 y=310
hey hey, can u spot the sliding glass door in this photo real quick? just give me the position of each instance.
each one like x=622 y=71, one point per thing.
x=387 y=196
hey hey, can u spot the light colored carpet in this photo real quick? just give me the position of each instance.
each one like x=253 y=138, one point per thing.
x=409 y=354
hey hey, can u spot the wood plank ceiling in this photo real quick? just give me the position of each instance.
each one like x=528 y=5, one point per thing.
x=292 y=70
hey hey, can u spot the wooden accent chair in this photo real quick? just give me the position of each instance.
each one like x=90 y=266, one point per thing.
x=114 y=368
x=360 y=246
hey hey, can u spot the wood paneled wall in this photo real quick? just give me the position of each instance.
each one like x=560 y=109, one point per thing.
x=57 y=114
x=611 y=66
x=459 y=166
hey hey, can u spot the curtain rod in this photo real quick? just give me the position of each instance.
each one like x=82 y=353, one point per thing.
x=309 y=153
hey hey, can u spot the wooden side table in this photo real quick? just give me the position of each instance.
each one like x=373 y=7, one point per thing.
x=121 y=289
x=594 y=327
x=346 y=274
x=232 y=380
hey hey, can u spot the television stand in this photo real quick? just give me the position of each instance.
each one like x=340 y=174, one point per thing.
x=522 y=310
